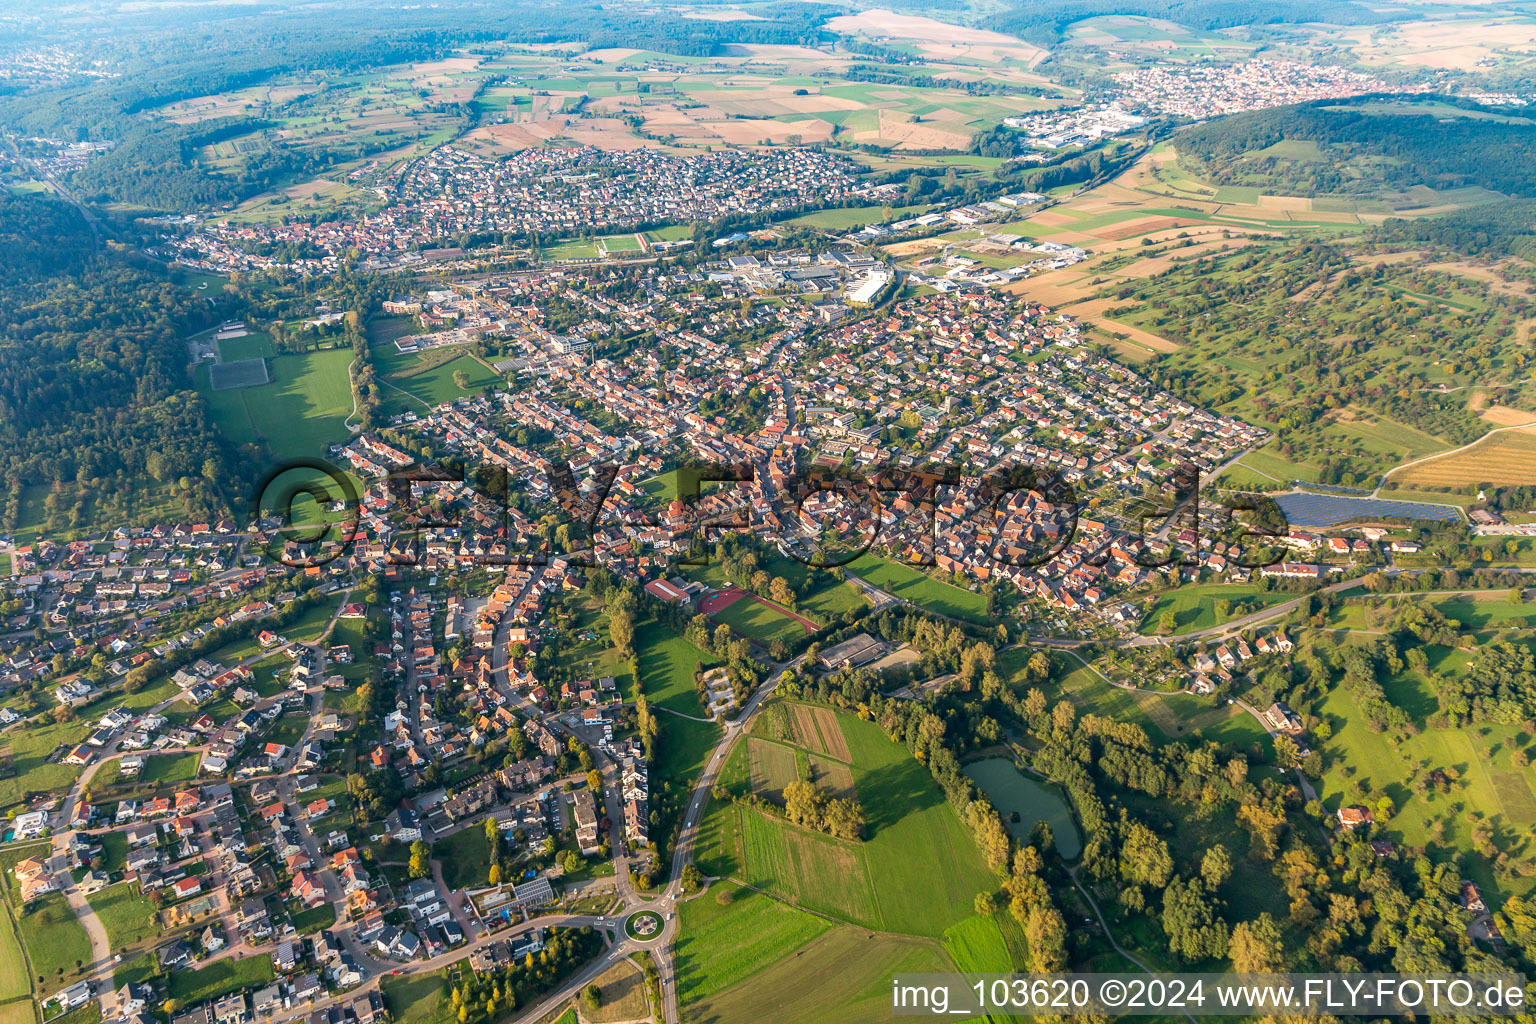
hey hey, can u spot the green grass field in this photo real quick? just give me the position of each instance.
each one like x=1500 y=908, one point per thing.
x=414 y=383
x=843 y=975
x=255 y=345
x=466 y=857
x=301 y=411
x=420 y=1000
x=722 y=943
x=168 y=769
x=977 y=946
x=1489 y=783
x=221 y=978
x=13 y=967
x=128 y=916
x=911 y=585
x=30 y=749
x=1195 y=607
x=757 y=621
x=620 y=243
x=666 y=674
x=56 y=940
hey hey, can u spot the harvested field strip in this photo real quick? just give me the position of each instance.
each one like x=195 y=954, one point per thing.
x=834 y=777
x=803 y=729
x=772 y=768
x=1506 y=458
x=832 y=740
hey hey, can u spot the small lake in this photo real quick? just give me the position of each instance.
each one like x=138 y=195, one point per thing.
x=1010 y=791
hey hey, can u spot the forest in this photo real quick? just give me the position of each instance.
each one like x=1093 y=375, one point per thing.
x=92 y=359
x=1363 y=147
x=1046 y=23
x=1494 y=229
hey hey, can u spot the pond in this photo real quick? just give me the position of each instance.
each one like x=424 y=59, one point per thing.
x=1012 y=792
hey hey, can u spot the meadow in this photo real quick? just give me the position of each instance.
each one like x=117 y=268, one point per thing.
x=30 y=750
x=127 y=914
x=422 y=999
x=55 y=939
x=843 y=975
x=729 y=932
x=221 y=978
x=419 y=381
x=621 y=996
x=911 y=585
x=466 y=857
x=1165 y=716
x=1490 y=787
x=1194 y=607
x=13 y=967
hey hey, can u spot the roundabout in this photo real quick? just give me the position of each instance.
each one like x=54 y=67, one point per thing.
x=643 y=925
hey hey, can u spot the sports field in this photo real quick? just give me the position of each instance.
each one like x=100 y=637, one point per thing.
x=241 y=373
x=620 y=243
x=254 y=345
x=301 y=412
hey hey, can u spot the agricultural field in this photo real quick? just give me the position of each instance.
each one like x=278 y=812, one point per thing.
x=911 y=832
x=1504 y=458
x=730 y=932
x=842 y=975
